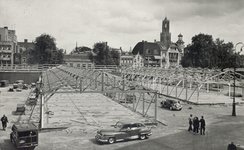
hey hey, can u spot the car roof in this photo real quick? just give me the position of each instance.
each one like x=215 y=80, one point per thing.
x=127 y=122
x=25 y=127
x=172 y=100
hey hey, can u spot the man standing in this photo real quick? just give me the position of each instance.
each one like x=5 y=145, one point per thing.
x=4 y=120
x=203 y=124
x=232 y=146
x=190 y=122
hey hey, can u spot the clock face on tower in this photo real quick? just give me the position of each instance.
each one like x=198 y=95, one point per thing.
x=165 y=25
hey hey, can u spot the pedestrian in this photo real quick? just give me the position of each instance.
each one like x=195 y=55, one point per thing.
x=190 y=122
x=231 y=146
x=202 y=127
x=195 y=125
x=4 y=120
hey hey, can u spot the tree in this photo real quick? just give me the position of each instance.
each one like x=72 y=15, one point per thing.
x=45 y=51
x=103 y=55
x=205 y=53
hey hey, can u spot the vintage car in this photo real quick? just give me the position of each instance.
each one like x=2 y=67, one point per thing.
x=129 y=98
x=171 y=104
x=24 y=135
x=123 y=131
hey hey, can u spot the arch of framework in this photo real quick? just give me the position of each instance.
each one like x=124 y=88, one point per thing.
x=79 y=81
x=187 y=84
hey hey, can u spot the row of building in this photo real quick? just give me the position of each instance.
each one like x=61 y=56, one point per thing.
x=163 y=53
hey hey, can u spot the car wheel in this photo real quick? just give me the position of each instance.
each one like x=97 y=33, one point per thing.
x=142 y=137
x=170 y=108
x=111 y=140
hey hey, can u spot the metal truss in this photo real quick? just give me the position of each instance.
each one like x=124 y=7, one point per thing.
x=182 y=83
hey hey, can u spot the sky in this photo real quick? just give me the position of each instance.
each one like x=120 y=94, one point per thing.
x=122 y=23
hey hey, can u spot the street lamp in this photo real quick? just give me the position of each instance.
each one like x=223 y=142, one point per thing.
x=234 y=103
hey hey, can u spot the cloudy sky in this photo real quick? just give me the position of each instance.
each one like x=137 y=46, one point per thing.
x=122 y=23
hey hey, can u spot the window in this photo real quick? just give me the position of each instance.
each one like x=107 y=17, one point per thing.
x=78 y=65
x=148 y=51
x=134 y=126
x=89 y=65
x=140 y=125
x=155 y=51
x=126 y=126
x=84 y=65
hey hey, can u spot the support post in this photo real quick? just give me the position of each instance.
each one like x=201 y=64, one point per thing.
x=95 y=81
x=234 y=93
x=156 y=105
x=197 y=93
x=80 y=85
x=143 y=104
x=114 y=82
x=153 y=83
x=42 y=111
x=102 y=81
x=167 y=86
x=133 y=102
x=186 y=89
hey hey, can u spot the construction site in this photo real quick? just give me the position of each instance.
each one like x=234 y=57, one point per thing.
x=73 y=103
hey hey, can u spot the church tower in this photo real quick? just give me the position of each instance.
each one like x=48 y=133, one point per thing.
x=180 y=44
x=165 y=36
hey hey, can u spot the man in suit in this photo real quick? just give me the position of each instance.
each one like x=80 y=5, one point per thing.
x=4 y=120
x=203 y=124
x=190 y=122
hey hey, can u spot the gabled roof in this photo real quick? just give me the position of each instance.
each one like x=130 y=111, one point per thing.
x=141 y=46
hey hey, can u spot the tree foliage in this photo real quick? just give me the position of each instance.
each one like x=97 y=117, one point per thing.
x=103 y=55
x=204 y=52
x=45 y=51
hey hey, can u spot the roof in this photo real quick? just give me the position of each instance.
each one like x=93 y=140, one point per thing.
x=127 y=122
x=127 y=56
x=180 y=35
x=76 y=56
x=25 y=127
x=26 y=44
x=141 y=46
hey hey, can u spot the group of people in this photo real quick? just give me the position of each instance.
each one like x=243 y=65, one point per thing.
x=4 y=120
x=195 y=122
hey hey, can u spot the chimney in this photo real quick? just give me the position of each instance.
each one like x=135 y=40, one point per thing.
x=26 y=40
x=155 y=41
x=6 y=28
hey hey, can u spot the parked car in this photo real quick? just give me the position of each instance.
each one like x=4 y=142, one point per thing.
x=123 y=131
x=129 y=98
x=24 y=136
x=171 y=104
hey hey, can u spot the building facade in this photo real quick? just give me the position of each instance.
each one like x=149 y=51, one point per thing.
x=8 y=46
x=78 y=60
x=126 y=59
x=163 y=53
x=138 y=61
x=23 y=55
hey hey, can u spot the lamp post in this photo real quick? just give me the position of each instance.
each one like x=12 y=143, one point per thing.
x=234 y=103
